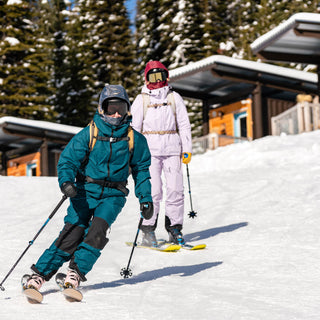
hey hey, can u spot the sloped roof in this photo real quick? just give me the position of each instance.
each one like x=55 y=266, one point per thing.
x=17 y=133
x=295 y=40
x=220 y=79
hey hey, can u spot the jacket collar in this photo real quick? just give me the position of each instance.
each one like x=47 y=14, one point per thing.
x=108 y=129
x=160 y=93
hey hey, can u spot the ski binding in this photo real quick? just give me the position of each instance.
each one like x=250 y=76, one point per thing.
x=71 y=294
x=32 y=294
x=163 y=247
x=185 y=246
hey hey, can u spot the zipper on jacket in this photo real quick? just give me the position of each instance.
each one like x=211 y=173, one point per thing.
x=108 y=163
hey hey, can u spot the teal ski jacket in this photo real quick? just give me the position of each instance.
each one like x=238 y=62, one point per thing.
x=108 y=161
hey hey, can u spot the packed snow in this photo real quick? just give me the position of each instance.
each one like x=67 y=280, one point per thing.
x=258 y=207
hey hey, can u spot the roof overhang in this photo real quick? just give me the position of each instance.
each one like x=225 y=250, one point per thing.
x=220 y=79
x=295 y=40
x=16 y=133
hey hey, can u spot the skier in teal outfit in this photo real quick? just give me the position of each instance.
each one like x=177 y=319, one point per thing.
x=95 y=180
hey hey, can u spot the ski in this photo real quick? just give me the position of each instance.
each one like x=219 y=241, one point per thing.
x=71 y=294
x=185 y=246
x=163 y=247
x=33 y=295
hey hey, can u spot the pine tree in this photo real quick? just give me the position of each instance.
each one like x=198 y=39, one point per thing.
x=249 y=19
x=107 y=30
x=76 y=90
x=43 y=56
x=189 y=20
x=24 y=70
x=57 y=25
x=211 y=27
x=169 y=46
x=171 y=31
x=186 y=45
x=147 y=35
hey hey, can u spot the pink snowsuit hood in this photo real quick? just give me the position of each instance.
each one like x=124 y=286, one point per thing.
x=155 y=65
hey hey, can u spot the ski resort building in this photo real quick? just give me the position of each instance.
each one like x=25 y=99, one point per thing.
x=240 y=97
x=241 y=100
x=30 y=147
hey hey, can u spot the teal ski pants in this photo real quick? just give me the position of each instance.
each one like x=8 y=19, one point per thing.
x=82 y=237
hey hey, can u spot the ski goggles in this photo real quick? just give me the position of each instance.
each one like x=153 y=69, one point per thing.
x=112 y=106
x=156 y=75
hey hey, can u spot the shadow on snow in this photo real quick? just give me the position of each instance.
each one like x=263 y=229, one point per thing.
x=184 y=271
x=205 y=234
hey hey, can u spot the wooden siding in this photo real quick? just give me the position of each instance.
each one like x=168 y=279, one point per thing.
x=222 y=120
x=18 y=166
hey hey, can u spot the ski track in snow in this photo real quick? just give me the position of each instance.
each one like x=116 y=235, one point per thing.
x=258 y=212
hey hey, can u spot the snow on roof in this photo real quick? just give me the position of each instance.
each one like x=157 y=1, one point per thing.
x=207 y=63
x=40 y=125
x=288 y=25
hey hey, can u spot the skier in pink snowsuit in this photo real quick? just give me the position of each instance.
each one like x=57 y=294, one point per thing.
x=161 y=116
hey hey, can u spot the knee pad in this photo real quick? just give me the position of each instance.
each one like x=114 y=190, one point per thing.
x=96 y=236
x=70 y=237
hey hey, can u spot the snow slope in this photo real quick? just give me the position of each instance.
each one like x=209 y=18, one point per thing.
x=258 y=209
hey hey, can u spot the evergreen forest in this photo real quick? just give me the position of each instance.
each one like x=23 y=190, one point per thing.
x=56 y=56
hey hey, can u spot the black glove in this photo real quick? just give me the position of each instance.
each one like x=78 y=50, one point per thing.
x=146 y=209
x=69 y=189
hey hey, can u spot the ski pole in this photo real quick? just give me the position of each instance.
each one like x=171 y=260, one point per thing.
x=192 y=213
x=126 y=272
x=32 y=241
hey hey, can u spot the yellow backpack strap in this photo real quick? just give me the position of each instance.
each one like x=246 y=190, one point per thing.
x=93 y=135
x=131 y=139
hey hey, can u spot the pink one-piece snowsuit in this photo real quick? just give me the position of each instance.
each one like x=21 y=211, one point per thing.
x=168 y=136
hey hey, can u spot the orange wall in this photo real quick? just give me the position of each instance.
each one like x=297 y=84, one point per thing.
x=221 y=119
x=18 y=166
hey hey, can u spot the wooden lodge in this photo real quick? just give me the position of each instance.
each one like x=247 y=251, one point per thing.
x=30 y=147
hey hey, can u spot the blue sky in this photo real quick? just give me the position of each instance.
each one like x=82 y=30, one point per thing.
x=131 y=6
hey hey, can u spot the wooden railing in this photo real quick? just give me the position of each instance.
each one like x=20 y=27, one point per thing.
x=213 y=141
x=204 y=143
x=303 y=117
